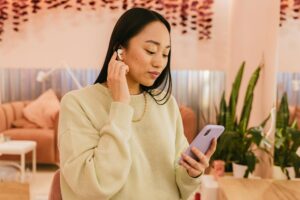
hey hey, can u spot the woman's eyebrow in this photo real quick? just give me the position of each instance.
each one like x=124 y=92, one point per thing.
x=156 y=43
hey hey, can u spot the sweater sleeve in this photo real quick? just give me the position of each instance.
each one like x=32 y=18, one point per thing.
x=186 y=184
x=94 y=163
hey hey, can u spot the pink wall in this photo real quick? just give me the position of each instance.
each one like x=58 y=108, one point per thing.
x=254 y=34
x=81 y=39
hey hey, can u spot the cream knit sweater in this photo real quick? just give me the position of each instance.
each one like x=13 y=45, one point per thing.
x=104 y=155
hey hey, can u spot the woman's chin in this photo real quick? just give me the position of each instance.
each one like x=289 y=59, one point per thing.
x=148 y=83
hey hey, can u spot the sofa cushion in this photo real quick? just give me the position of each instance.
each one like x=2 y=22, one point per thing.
x=18 y=107
x=23 y=123
x=43 y=137
x=43 y=110
x=8 y=113
x=2 y=119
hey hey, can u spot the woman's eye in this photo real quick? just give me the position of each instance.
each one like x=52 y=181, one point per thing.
x=153 y=52
x=150 y=52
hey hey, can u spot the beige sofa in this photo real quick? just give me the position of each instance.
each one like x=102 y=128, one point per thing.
x=46 y=139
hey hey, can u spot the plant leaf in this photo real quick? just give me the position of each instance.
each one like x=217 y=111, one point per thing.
x=246 y=111
x=282 y=118
x=256 y=135
x=246 y=114
x=234 y=95
x=222 y=113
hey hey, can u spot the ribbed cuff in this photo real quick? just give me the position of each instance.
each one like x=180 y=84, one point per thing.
x=186 y=178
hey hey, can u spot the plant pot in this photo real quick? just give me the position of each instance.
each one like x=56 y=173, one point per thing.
x=278 y=174
x=239 y=171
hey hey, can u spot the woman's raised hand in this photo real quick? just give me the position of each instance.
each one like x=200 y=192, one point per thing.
x=116 y=80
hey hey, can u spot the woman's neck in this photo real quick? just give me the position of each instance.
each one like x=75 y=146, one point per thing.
x=133 y=86
x=134 y=89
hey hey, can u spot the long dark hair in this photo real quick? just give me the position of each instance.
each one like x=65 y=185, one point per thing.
x=129 y=25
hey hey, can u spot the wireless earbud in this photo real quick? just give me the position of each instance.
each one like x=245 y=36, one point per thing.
x=119 y=52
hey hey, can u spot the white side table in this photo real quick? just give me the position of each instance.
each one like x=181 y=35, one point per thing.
x=19 y=147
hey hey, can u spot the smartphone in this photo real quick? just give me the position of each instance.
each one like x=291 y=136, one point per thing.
x=204 y=138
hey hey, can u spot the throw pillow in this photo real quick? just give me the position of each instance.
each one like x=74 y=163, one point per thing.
x=43 y=110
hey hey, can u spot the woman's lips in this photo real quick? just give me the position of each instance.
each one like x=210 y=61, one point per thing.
x=154 y=75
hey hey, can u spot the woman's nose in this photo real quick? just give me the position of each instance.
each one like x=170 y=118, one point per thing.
x=157 y=61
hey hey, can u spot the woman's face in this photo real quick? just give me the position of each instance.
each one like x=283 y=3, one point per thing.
x=147 y=54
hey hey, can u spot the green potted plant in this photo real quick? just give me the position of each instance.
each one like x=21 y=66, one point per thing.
x=235 y=144
x=287 y=142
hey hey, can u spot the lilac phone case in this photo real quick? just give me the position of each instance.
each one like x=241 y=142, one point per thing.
x=204 y=138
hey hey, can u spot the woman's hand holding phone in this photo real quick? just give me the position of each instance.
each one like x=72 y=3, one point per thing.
x=116 y=80
x=196 y=158
x=194 y=167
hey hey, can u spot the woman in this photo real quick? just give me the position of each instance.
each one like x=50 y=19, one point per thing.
x=122 y=137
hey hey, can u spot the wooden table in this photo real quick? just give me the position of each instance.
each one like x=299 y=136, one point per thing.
x=14 y=190
x=258 y=189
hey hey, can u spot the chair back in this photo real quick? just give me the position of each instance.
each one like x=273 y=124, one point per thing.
x=55 y=193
